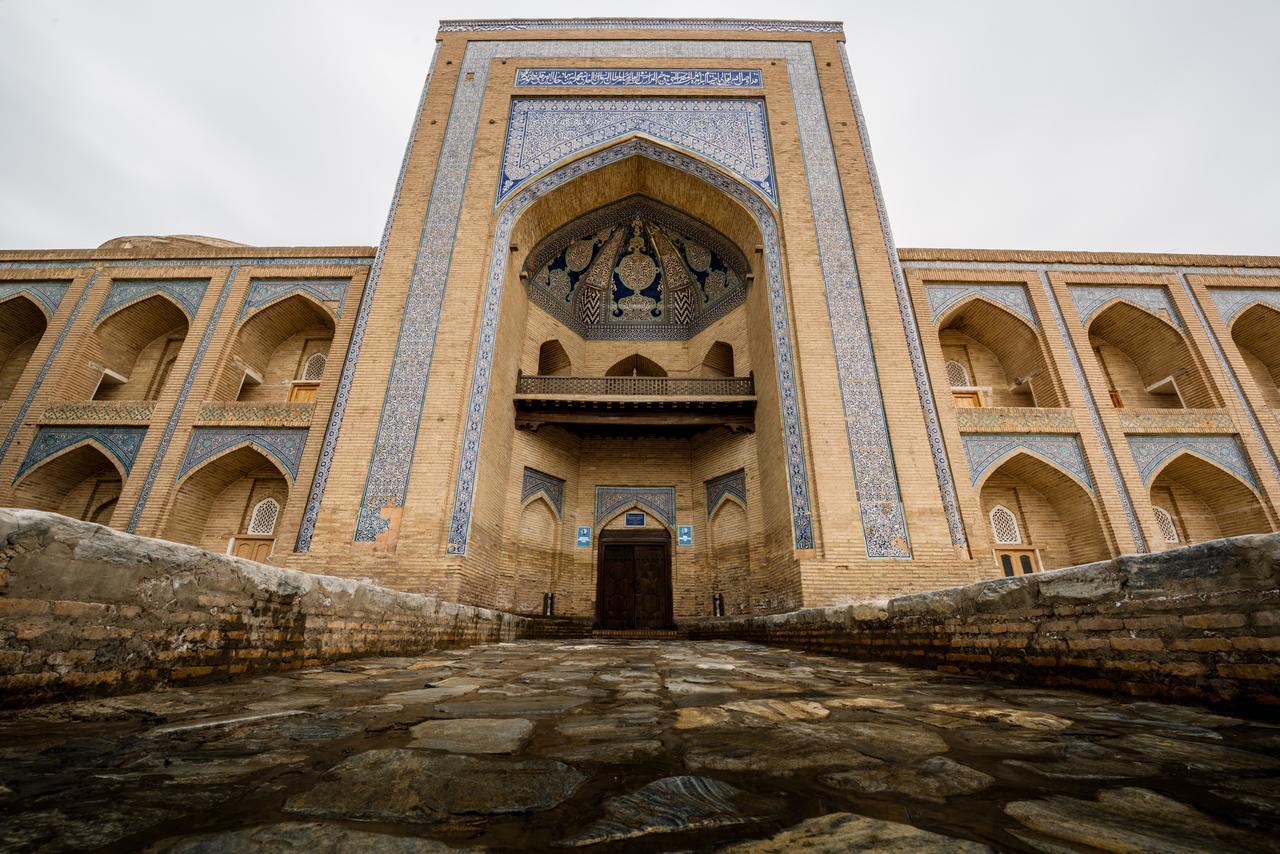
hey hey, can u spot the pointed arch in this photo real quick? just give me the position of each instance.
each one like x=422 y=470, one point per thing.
x=214 y=502
x=271 y=347
x=136 y=346
x=23 y=323
x=1256 y=334
x=718 y=362
x=553 y=360
x=113 y=309
x=999 y=349
x=636 y=365
x=73 y=482
x=1207 y=499
x=1147 y=360
x=1056 y=515
x=730 y=555
x=650 y=513
x=537 y=554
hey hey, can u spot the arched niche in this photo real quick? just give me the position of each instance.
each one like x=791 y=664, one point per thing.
x=81 y=482
x=553 y=361
x=1147 y=363
x=136 y=348
x=718 y=361
x=213 y=505
x=1054 y=515
x=537 y=555
x=1256 y=333
x=272 y=351
x=730 y=556
x=22 y=325
x=1205 y=501
x=1000 y=357
x=635 y=365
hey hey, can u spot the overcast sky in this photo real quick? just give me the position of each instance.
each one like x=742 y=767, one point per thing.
x=1081 y=125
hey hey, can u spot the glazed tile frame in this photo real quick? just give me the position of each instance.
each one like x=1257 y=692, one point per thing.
x=283 y=444
x=985 y=450
x=658 y=500
x=687 y=78
x=943 y=296
x=47 y=294
x=120 y=443
x=1151 y=451
x=876 y=482
x=187 y=294
x=536 y=482
x=1231 y=301
x=719 y=488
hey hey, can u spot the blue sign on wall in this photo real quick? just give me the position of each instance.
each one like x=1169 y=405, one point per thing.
x=635 y=520
x=584 y=536
x=684 y=535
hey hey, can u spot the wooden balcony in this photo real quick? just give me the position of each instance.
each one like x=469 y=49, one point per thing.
x=662 y=405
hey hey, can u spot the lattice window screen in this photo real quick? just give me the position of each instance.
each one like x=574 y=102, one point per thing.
x=265 y=513
x=1005 y=526
x=313 y=370
x=1168 y=530
x=956 y=374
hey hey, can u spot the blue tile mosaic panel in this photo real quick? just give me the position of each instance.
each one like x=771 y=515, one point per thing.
x=1012 y=297
x=694 y=78
x=263 y=292
x=985 y=450
x=732 y=133
x=540 y=483
x=1151 y=452
x=47 y=295
x=187 y=293
x=120 y=443
x=1232 y=301
x=734 y=483
x=658 y=500
x=1090 y=299
x=282 y=444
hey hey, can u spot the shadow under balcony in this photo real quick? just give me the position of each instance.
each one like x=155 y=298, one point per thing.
x=627 y=405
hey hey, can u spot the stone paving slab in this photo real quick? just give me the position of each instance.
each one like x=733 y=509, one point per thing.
x=632 y=746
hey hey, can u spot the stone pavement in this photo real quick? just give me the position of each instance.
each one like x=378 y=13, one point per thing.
x=632 y=746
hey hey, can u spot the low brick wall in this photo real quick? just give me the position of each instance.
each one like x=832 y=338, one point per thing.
x=1196 y=624
x=85 y=610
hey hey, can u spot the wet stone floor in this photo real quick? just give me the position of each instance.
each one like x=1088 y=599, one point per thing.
x=632 y=746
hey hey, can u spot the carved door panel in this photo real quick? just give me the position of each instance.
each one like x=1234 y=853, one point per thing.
x=253 y=548
x=617 y=588
x=650 y=586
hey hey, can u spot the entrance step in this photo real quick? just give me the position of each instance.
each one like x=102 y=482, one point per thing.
x=641 y=634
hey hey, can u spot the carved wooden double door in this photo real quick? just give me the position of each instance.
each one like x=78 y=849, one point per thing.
x=633 y=586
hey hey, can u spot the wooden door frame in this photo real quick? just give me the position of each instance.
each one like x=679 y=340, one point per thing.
x=637 y=536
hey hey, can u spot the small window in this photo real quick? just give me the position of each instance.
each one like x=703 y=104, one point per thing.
x=1005 y=526
x=263 y=520
x=957 y=375
x=1168 y=530
x=313 y=368
x=1006 y=563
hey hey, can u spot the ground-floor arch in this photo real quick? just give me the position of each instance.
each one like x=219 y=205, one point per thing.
x=1195 y=500
x=234 y=502
x=81 y=482
x=1040 y=517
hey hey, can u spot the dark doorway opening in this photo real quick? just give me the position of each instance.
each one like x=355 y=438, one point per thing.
x=633 y=580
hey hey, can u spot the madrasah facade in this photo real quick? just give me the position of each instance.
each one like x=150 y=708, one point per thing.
x=637 y=345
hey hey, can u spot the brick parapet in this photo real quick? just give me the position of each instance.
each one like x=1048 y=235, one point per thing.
x=1196 y=624
x=85 y=610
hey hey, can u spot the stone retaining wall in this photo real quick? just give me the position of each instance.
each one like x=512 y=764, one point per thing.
x=1195 y=624
x=87 y=610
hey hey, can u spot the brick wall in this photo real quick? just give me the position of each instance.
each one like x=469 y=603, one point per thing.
x=87 y=610
x=1195 y=624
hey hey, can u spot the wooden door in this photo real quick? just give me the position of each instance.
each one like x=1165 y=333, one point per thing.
x=1017 y=561
x=967 y=399
x=253 y=548
x=301 y=392
x=633 y=587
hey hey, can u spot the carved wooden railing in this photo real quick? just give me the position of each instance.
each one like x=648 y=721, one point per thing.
x=275 y=413
x=98 y=412
x=647 y=386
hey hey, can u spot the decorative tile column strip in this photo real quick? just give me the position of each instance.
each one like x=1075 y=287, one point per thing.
x=544 y=131
x=984 y=450
x=1082 y=382
x=1090 y=299
x=48 y=363
x=283 y=444
x=263 y=292
x=718 y=488
x=1151 y=452
x=183 y=393
x=540 y=483
x=1012 y=297
x=691 y=78
x=120 y=443
x=1230 y=373
x=919 y=369
x=658 y=500
x=48 y=295
x=1232 y=301
x=329 y=445
x=387 y=482
x=187 y=293
x=784 y=359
